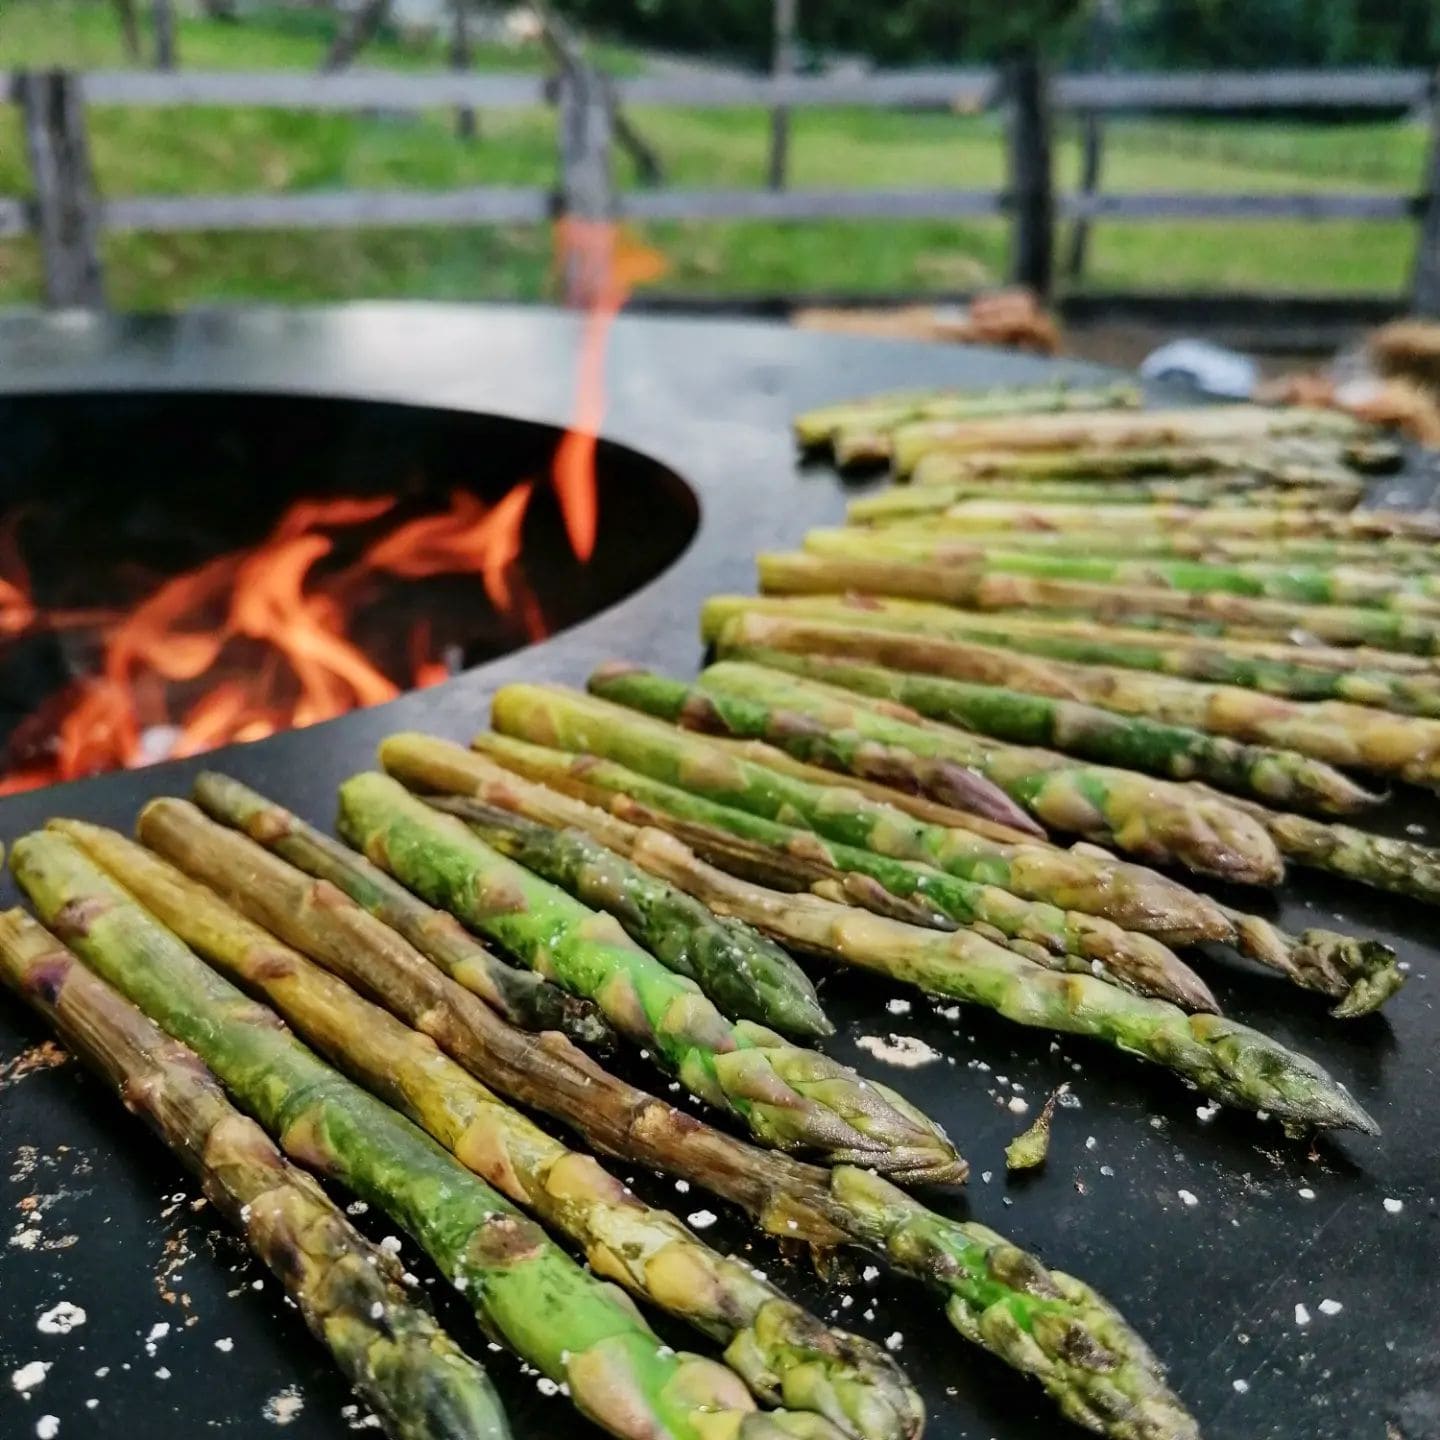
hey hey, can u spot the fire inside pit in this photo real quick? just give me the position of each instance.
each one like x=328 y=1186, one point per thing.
x=180 y=571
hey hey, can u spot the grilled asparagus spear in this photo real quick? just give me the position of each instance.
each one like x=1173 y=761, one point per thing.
x=1303 y=585
x=783 y=1354
x=526 y=1291
x=405 y=1367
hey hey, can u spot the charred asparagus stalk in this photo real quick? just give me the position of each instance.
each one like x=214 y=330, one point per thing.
x=791 y=1098
x=1300 y=584
x=1023 y=701
x=906 y=506
x=865 y=831
x=1099 y=1372
x=435 y=765
x=617 y=1371
x=820 y=426
x=824 y=625
x=1284 y=461
x=803 y=574
x=785 y=1356
x=747 y=976
x=1149 y=818
x=966 y=966
x=1120 y=430
x=1223 y=520
x=405 y=1367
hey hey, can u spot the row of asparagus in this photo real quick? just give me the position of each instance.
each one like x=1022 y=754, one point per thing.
x=255 y=897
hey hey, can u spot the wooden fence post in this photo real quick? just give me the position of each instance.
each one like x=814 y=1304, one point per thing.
x=587 y=182
x=1031 y=189
x=462 y=59
x=1425 y=281
x=67 y=220
x=782 y=66
x=162 y=17
x=1103 y=25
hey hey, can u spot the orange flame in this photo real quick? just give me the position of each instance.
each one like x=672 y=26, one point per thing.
x=269 y=598
x=608 y=264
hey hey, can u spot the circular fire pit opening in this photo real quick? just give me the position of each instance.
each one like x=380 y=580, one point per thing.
x=180 y=570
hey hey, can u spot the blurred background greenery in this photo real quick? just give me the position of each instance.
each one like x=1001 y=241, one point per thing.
x=224 y=150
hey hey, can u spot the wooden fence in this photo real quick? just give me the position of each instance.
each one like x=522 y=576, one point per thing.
x=68 y=216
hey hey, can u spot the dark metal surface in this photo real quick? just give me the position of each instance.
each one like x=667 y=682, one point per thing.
x=1214 y=1284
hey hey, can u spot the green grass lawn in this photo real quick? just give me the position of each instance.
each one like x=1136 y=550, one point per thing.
x=217 y=151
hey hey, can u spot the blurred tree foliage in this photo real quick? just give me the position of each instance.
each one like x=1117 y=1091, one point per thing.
x=1157 y=34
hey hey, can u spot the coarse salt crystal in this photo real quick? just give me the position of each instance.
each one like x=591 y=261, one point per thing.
x=162 y=1373
x=894 y=1341
x=225 y=1344
x=1302 y=1315
x=683 y=1186
x=870 y=1273
x=1331 y=1307
x=1188 y=1198
x=60 y=1319
x=1091 y=1142
x=702 y=1219
x=1107 y=1171
x=27 y=1377
x=1241 y=1387
x=546 y=1386
x=898 y=1007
x=47 y=1427
x=377 y=1310
x=1393 y=1207
x=1306 y=1193
x=1017 y=1106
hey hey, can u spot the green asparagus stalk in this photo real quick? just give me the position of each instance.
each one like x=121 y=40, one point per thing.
x=1098 y=1371
x=1284 y=461
x=1149 y=818
x=525 y=1290
x=1304 y=586
x=861 y=825
x=818 y=427
x=1024 y=704
x=1333 y=731
x=422 y=981
x=790 y=1098
x=643 y=800
x=404 y=1366
x=919 y=503
x=1214 y=424
x=1291 y=671
x=1221 y=520
x=805 y=574
x=746 y=975
x=922 y=535
x=785 y=1356
x=1400 y=866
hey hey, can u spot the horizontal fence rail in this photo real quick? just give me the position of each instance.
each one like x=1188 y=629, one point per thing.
x=68 y=215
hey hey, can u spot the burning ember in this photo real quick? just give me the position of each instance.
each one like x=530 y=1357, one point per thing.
x=257 y=640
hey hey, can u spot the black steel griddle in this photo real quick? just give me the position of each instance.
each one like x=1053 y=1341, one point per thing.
x=1213 y=1284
